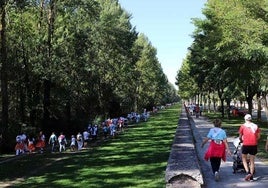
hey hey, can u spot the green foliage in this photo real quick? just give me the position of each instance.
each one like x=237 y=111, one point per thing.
x=229 y=52
x=185 y=81
x=71 y=61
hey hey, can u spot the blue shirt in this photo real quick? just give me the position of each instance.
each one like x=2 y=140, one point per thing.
x=217 y=133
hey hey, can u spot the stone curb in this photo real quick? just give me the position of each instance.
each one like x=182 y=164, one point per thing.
x=183 y=168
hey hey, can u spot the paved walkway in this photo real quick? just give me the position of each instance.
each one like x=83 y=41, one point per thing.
x=227 y=178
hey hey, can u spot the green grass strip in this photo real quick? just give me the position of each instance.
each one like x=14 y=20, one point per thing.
x=135 y=158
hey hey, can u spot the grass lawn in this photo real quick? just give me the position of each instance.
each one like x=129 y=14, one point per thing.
x=232 y=126
x=135 y=158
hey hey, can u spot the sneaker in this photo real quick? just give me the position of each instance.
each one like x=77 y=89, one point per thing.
x=217 y=176
x=251 y=178
x=248 y=177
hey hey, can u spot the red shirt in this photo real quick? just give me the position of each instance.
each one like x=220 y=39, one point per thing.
x=249 y=137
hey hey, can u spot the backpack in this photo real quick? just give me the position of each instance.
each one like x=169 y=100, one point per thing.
x=53 y=139
x=79 y=137
x=18 y=138
x=62 y=139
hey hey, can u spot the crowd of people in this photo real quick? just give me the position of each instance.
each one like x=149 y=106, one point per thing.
x=107 y=129
x=195 y=109
x=30 y=143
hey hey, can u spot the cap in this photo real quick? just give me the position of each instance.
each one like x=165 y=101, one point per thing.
x=247 y=117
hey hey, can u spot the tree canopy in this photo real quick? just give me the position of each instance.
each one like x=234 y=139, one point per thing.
x=65 y=63
x=228 y=56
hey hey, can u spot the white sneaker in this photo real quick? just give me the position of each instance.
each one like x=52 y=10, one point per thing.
x=217 y=176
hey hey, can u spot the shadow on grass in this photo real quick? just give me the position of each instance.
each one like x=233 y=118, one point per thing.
x=137 y=158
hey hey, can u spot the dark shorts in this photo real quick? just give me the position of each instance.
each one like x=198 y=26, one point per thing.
x=252 y=150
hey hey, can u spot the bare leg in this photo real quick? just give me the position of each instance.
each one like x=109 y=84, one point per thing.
x=245 y=163
x=252 y=163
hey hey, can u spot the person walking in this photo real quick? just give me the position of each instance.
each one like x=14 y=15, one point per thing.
x=31 y=146
x=105 y=130
x=62 y=142
x=24 y=140
x=52 y=141
x=19 y=147
x=95 y=132
x=86 y=138
x=217 y=147
x=72 y=146
x=79 y=140
x=249 y=134
x=197 y=111
x=41 y=142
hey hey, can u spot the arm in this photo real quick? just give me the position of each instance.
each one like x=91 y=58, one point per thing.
x=258 y=136
x=241 y=138
x=241 y=134
x=227 y=146
x=65 y=141
x=204 y=142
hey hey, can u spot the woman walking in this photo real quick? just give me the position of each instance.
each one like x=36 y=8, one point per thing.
x=217 y=147
x=62 y=142
x=41 y=142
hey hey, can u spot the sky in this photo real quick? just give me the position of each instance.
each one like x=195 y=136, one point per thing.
x=168 y=26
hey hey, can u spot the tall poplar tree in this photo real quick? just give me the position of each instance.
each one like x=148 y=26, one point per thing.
x=4 y=78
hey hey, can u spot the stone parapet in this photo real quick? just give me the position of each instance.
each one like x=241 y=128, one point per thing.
x=183 y=169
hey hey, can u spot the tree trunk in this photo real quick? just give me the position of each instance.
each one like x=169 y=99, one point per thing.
x=265 y=105
x=214 y=103
x=250 y=104
x=135 y=102
x=209 y=103
x=222 y=108
x=249 y=93
x=46 y=103
x=68 y=110
x=47 y=82
x=4 y=79
x=259 y=106
x=220 y=94
x=22 y=104
x=228 y=102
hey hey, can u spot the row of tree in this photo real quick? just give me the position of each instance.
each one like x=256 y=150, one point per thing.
x=69 y=62
x=227 y=60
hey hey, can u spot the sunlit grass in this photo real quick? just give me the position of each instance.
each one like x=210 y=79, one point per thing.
x=136 y=158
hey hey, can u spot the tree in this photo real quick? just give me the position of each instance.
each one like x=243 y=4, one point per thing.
x=228 y=49
x=150 y=81
x=65 y=63
x=4 y=78
x=187 y=88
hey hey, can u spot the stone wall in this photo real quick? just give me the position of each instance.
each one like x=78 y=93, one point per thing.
x=183 y=169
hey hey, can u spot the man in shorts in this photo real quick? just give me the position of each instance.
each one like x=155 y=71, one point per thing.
x=249 y=134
